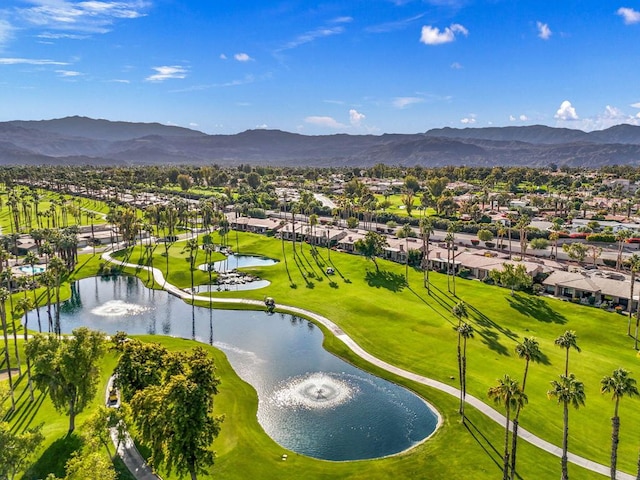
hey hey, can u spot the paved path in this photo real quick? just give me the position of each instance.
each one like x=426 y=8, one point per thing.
x=358 y=350
x=127 y=449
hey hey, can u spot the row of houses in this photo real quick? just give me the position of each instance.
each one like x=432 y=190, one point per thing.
x=591 y=287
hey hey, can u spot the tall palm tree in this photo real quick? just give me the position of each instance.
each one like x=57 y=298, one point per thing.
x=621 y=238
x=529 y=349
x=31 y=259
x=192 y=248
x=568 y=391
x=449 y=239
x=509 y=394
x=23 y=305
x=460 y=312
x=4 y=294
x=567 y=340
x=426 y=229
x=634 y=267
x=59 y=270
x=619 y=385
x=466 y=332
x=406 y=232
x=7 y=278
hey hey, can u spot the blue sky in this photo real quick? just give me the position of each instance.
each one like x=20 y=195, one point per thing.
x=323 y=67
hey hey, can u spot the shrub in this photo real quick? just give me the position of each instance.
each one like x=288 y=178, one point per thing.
x=539 y=243
x=601 y=237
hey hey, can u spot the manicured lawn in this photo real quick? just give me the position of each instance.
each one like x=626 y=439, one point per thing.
x=397 y=206
x=404 y=325
x=49 y=205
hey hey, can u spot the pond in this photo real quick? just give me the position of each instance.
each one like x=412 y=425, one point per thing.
x=310 y=401
x=234 y=261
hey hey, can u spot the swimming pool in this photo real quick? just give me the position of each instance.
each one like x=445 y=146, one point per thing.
x=35 y=270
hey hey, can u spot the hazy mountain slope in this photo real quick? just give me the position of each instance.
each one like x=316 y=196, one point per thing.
x=80 y=139
x=103 y=129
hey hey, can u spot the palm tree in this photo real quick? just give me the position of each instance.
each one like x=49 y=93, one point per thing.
x=522 y=225
x=406 y=232
x=426 y=229
x=23 y=305
x=567 y=391
x=634 y=267
x=4 y=294
x=620 y=384
x=466 y=332
x=509 y=394
x=31 y=259
x=529 y=349
x=192 y=247
x=7 y=278
x=621 y=238
x=567 y=340
x=460 y=312
x=58 y=269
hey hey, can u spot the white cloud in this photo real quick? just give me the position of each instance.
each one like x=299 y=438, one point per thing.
x=312 y=35
x=57 y=36
x=119 y=80
x=262 y=126
x=223 y=56
x=328 y=122
x=544 y=32
x=68 y=73
x=242 y=57
x=29 y=61
x=629 y=15
x=523 y=118
x=635 y=105
x=166 y=72
x=6 y=32
x=566 y=111
x=433 y=36
x=512 y=118
x=86 y=16
x=471 y=119
x=355 y=117
x=393 y=26
x=403 y=102
x=608 y=118
x=456 y=66
x=193 y=124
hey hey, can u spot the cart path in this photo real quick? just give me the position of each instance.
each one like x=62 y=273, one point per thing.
x=358 y=350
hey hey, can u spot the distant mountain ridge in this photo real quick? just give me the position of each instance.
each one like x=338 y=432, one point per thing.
x=76 y=140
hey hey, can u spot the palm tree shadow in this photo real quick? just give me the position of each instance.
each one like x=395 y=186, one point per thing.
x=430 y=306
x=537 y=308
x=484 y=443
x=305 y=274
x=384 y=279
x=490 y=339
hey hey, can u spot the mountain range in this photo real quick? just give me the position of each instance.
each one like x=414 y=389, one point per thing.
x=85 y=141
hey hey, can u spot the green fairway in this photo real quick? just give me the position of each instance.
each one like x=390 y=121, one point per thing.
x=40 y=208
x=405 y=326
x=402 y=324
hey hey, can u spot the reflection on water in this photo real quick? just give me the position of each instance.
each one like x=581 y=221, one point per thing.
x=309 y=400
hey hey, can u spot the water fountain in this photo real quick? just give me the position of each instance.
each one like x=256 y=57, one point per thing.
x=118 y=308
x=319 y=390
